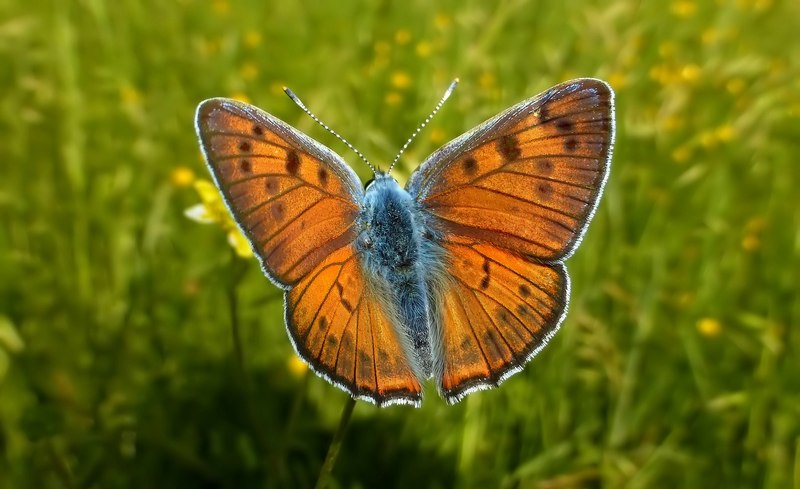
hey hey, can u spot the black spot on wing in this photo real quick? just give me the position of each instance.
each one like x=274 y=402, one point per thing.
x=470 y=166
x=571 y=144
x=292 y=162
x=508 y=147
x=270 y=186
x=565 y=125
x=279 y=212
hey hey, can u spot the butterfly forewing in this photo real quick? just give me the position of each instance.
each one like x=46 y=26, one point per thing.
x=297 y=202
x=529 y=179
x=294 y=199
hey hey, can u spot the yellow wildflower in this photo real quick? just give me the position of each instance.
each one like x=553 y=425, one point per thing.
x=684 y=8
x=241 y=97
x=400 y=80
x=735 y=86
x=249 y=71
x=191 y=287
x=661 y=74
x=725 y=132
x=756 y=224
x=437 y=135
x=708 y=36
x=709 y=327
x=213 y=210
x=666 y=49
x=708 y=139
x=690 y=73
x=277 y=87
x=221 y=6
x=402 y=36
x=685 y=299
x=681 y=154
x=617 y=80
x=382 y=48
x=487 y=80
x=181 y=176
x=442 y=21
x=129 y=95
x=209 y=47
x=672 y=122
x=239 y=243
x=297 y=367
x=393 y=98
x=424 y=49
x=252 y=39
x=751 y=243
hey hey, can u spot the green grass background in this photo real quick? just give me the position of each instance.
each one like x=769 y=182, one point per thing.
x=677 y=365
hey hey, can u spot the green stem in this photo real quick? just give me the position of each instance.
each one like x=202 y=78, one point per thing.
x=325 y=475
x=62 y=470
x=261 y=438
x=238 y=353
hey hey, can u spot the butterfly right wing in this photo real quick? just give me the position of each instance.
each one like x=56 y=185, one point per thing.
x=509 y=201
x=501 y=309
x=297 y=203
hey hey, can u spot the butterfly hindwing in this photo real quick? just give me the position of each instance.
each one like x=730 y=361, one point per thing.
x=297 y=203
x=341 y=328
x=500 y=310
x=509 y=201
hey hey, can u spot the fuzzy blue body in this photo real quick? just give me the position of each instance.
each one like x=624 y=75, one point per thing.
x=395 y=249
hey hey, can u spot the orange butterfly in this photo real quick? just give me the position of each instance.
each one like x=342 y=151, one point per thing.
x=458 y=277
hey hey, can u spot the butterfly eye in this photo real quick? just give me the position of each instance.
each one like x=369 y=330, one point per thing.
x=369 y=182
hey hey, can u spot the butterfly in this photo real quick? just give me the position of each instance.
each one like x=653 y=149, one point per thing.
x=457 y=277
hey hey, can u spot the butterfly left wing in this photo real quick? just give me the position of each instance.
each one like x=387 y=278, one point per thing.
x=296 y=201
x=508 y=202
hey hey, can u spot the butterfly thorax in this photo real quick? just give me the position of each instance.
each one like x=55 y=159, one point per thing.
x=390 y=249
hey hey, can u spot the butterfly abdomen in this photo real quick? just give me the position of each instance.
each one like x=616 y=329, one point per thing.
x=390 y=250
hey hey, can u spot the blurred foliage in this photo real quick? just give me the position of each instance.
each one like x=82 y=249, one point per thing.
x=677 y=365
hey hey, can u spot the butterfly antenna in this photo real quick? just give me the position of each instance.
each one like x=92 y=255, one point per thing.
x=300 y=104
x=425 y=122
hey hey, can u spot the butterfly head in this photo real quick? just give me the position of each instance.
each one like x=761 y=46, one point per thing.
x=380 y=179
x=387 y=225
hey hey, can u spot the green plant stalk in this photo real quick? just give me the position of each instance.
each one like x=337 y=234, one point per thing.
x=336 y=444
